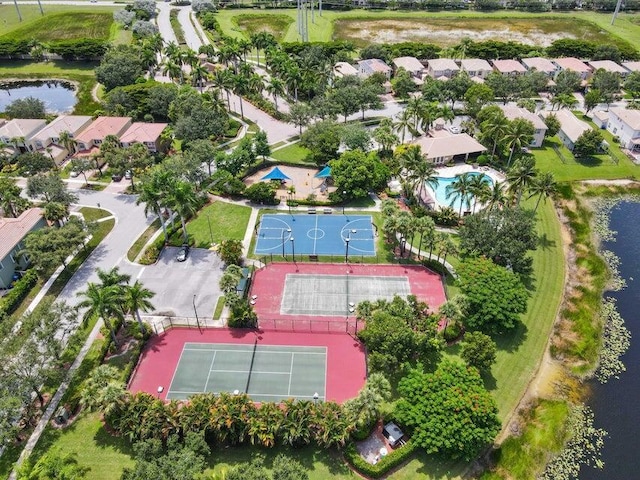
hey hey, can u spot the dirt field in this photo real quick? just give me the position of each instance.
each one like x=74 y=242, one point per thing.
x=448 y=31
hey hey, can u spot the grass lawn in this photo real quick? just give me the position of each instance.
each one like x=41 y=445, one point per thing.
x=276 y=25
x=92 y=214
x=228 y=222
x=65 y=26
x=293 y=153
x=599 y=166
x=142 y=240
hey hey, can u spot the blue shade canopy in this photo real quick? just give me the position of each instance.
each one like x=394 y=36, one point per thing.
x=275 y=174
x=324 y=173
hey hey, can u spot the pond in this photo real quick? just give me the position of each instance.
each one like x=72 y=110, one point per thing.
x=58 y=96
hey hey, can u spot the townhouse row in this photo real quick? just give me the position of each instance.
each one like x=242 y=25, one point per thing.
x=85 y=134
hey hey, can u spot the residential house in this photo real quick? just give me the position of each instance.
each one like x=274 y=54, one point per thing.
x=540 y=64
x=609 y=66
x=625 y=124
x=632 y=66
x=411 y=65
x=47 y=140
x=570 y=127
x=447 y=147
x=149 y=134
x=12 y=233
x=92 y=136
x=366 y=68
x=442 y=68
x=574 y=65
x=18 y=132
x=509 y=68
x=344 y=69
x=600 y=118
x=476 y=67
x=513 y=112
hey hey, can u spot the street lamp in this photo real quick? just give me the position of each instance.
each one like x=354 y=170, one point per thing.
x=160 y=390
x=344 y=200
x=293 y=249
x=196 y=312
x=346 y=251
x=288 y=230
x=403 y=242
x=315 y=397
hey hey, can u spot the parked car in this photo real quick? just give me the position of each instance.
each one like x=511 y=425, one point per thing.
x=116 y=177
x=183 y=253
x=73 y=174
x=128 y=175
x=454 y=129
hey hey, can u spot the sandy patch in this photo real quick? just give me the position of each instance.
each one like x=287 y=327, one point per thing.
x=301 y=178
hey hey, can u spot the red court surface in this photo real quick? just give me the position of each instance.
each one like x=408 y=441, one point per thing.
x=268 y=285
x=346 y=365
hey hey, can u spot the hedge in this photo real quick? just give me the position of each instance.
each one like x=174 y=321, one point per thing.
x=386 y=463
x=20 y=290
x=82 y=49
x=13 y=48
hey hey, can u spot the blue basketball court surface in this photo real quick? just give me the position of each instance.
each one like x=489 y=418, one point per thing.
x=283 y=234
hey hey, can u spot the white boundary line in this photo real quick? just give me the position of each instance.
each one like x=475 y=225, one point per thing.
x=247 y=371
x=176 y=369
x=210 y=369
x=255 y=395
x=291 y=373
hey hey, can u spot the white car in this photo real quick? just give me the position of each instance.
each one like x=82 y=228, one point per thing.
x=73 y=174
x=454 y=129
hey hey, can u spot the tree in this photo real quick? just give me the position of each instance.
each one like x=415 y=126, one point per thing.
x=276 y=88
x=418 y=170
x=358 y=174
x=121 y=65
x=553 y=124
x=589 y=143
x=476 y=97
x=607 y=83
x=323 y=140
x=521 y=176
x=203 y=122
x=300 y=114
x=54 y=465
x=544 y=185
x=103 y=302
x=182 y=199
x=82 y=165
x=49 y=247
x=286 y=468
x=384 y=136
x=51 y=188
x=11 y=202
x=449 y=411
x=230 y=279
x=203 y=152
x=365 y=409
x=262 y=193
x=356 y=137
x=459 y=189
x=496 y=296
x=632 y=84
x=478 y=350
x=519 y=134
x=567 y=82
x=102 y=389
x=261 y=145
x=505 y=236
x=403 y=84
x=136 y=298
x=348 y=99
x=230 y=252
x=28 y=107
x=591 y=99
x=32 y=163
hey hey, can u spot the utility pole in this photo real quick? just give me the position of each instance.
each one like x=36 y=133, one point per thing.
x=616 y=11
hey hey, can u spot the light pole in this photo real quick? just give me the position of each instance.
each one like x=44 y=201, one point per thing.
x=196 y=312
x=344 y=200
x=293 y=249
x=315 y=397
x=403 y=242
x=210 y=232
x=160 y=390
x=346 y=251
x=288 y=230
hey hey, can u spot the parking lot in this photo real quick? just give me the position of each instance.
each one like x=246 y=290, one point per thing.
x=175 y=283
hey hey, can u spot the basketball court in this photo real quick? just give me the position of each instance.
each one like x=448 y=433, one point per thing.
x=282 y=234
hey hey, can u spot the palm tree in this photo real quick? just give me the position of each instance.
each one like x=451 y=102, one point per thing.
x=182 y=199
x=240 y=88
x=479 y=188
x=113 y=278
x=419 y=170
x=173 y=51
x=544 y=186
x=404 y=122
x=189 y=57
x=447 y=246
x=275 y=87
x=255 y=84
x=68 y=143
x=519 y=134
x=459 y=190
x=136 y=298
x=496 y=197
x=173 y=70
x=199 y=76
x=56 y=212
x=426 y=227
x=152 y=193
x=521 y=176
x=414 y=106
x=495 y=128
x=292 y=77
x=223 y=81
x=103 y=302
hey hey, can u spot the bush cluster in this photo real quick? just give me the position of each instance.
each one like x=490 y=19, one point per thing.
x=386 y=463
x=20 y=290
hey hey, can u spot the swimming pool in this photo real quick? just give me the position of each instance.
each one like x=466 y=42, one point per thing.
x=441 y=190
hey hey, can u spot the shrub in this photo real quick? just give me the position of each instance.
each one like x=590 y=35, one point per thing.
x=20 y=290
x=386 y=463
x=262 y=193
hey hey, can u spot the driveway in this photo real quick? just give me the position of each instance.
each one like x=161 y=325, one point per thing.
x=176 y=283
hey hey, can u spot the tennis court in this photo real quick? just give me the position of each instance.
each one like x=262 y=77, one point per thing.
x=315 y=235
x=267 y=373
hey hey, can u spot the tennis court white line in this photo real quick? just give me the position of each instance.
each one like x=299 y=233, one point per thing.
x=210 y=368
x=253 y=372
x=290 y=373
x=173 y=377
x=249 y=351
x=315 y=237
x=180 y=392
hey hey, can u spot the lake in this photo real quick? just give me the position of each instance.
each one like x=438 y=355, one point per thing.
x=58 y=96
x=616 y=404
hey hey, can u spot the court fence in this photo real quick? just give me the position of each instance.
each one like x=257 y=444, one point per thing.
x=312 y=325
x=161 y=325
x=355 y=259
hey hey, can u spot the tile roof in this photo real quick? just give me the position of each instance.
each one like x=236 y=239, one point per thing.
x=143 y=132
x=376 y=65
x=21 y=127
x=441 y=64
x=345 y=69
x=513 y=112
x=410 y=64
x=632 y=66
x=630 y=117
x=12 y=230
x=509 y=66
x=572 y=63
x=64 y=123
x=449 y=145
x=609 y=66
x=569 y=123
x=103 y=126
x=475 y=64
x=543 y=65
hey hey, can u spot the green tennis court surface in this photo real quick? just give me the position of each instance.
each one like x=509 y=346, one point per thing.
x=271 y=373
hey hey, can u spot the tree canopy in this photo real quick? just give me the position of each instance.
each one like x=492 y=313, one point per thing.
x=28 y=107
x=358 y=173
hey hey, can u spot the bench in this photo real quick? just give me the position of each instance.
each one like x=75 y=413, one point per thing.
x=328 y=211
x=311 y=211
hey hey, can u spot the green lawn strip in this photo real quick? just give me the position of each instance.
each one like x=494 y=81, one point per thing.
x=91 y=214
x=78 y=72
x=548 y=160
x=276 y=25
x=293 y=153
x=523 y=456
x=228 y=222
x=217 y=312
x=175 y=25
x=142 y=240
x=102 y=230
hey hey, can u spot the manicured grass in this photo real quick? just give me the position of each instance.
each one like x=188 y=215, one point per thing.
x=78 y=72
x=276 y=25
x=217 y=312
x=600 y=166
x=92 y=214
x=293 y=153
x=142 y=240
x=66 y=26
x=228 y=222
x=177 y=28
